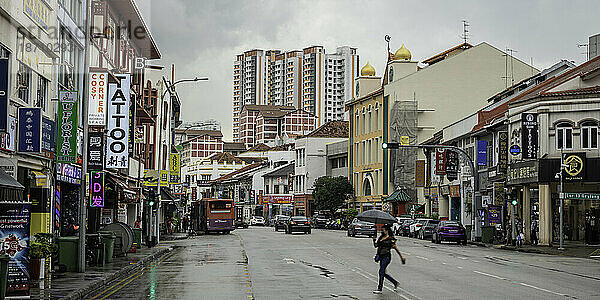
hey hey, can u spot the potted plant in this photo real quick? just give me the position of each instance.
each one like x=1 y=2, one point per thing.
x=40 y=248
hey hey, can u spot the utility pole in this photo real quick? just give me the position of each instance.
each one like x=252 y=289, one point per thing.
x=84 y=111
x=561 y=197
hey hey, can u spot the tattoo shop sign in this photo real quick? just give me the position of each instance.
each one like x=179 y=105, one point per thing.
x=117 y=141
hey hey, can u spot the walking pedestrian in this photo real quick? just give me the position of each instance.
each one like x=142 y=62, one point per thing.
x=534 y=236
x=384 y=244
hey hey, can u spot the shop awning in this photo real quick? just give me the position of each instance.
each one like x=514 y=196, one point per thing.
x=167 y=195
x=10 y=188
x=398 y=196
x=121 y=184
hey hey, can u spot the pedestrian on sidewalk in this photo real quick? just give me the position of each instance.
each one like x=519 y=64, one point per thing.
x=384 y=244
x=534 y=229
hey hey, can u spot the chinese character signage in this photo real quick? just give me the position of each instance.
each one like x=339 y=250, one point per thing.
x=164 y=178
x=7 y=139
x=3 y=94
x=66 y=146
x=440 y=162
x=174 y=168
x=482 y=153
x=68 y=173
x=95 y=150
x=529 y=135
x=574 y=169
x=502 y=151
x=451 y=165
x=14 y=242
x=117 y=140
x=30 y=130
x=96 y=189
x=420 y=173
x=48 y=136
x=97 y=99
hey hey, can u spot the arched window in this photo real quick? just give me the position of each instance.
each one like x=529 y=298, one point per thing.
x=357 y=124
x=370 y=119
x=564 y=136
x=364 y=115
x=589 y=135
x=367 y=187
x=376 y=116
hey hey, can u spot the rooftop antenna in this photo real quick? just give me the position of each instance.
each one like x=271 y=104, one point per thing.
x=465 y=34
x=587 y=50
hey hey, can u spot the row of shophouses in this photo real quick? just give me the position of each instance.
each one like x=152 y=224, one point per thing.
x=48 y=70
x=511 y=121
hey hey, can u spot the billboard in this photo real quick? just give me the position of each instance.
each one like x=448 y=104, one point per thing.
x=117 y=140
x=14 y=242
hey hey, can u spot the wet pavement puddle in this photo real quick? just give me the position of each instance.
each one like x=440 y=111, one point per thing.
x=324 y=271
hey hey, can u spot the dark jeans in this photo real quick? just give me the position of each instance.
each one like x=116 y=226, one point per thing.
x=383 y=264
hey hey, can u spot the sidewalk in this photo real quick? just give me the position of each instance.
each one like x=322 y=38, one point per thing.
x=72 y=285
x=572 y=250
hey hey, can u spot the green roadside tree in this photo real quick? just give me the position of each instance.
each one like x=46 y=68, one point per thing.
x=331 y=193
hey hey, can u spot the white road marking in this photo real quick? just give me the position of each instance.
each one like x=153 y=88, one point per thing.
x=459 y=267
x=421 y=257
x=521 y=283
x=490 y=275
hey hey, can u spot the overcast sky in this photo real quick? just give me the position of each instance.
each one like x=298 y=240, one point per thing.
x=202 y=37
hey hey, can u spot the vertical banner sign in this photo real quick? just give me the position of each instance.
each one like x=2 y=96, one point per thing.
x=8 y=139
x=440 y=162
x=164 y=178
x=67 y=127
x=117 y=141
x=420 y=173
x=3 y=94
x=30 y=130
x=96 y=150
x=482 y=153
x=451 y=165
x=14 y=242
x=132 y=125
x=174 y=168
x=97 y=99
x=48 y=135
x=502 y=151
x=529 y=135
x=96 y=189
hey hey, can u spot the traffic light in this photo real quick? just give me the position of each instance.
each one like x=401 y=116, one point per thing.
x=151 y=203
x=514 y=202
x=390 y=145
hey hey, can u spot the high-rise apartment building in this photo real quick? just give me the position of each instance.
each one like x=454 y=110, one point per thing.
x=310 y=80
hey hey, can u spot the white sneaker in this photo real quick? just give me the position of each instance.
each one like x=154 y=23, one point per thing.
x=376 y=292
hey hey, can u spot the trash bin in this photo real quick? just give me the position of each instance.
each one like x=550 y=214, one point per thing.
x=4 y=259
x=108 y=239
x=137 y=237
x=67 y=252
x=468 y=230
x=487 y=234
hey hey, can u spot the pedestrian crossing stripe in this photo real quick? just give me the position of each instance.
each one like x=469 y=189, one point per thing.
x=595 y=254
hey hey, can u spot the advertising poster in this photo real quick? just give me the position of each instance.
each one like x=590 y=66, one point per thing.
x=14 y=242
x=529 y=135
x=30 y=130
x=96 y=189
x=95 y=150
x=97 y=99
x=66 y=145
x=150 y=178
x=493 y=215
x=117 y=140
x=3 y=94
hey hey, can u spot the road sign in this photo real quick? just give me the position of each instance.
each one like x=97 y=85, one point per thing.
x=581 y=196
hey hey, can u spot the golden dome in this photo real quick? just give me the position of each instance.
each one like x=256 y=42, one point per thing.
x=367 y=70
x=402 y=54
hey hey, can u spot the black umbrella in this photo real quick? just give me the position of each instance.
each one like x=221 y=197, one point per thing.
x=376 y=216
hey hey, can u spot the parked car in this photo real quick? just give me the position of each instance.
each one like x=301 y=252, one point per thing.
x=298 y=223
x=361 y=228
x=257 y=221
x=396 y=227
x=320 y=221
x=405 y=228
x=449 y=231
x=416 y=226
x=241 y=223
x=427 y=229
x=280 y=221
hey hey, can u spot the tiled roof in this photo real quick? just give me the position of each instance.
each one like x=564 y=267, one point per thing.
x=442 y=56
x=228 y=146
x=581 y=91
x=259 y=148
x=284 y=170
x=238 y=171
x=332 y=129
x=225 y=157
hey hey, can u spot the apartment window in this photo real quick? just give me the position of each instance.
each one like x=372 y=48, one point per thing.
x=369 y=123
x=4 y=53
x=24 y=82
x=589 y=135
x=357 y=123
x=276 y=189
x=376 y=182
x=363 y=118
x=42 y=93
x=376 y=116
x=564 y=136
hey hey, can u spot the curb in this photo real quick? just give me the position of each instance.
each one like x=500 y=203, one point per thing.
x=83 y=292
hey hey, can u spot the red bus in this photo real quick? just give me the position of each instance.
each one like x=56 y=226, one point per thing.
x=213 y=215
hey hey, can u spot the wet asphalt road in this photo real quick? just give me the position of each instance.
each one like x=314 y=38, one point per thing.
x=258 y=263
